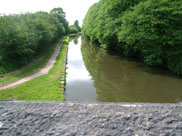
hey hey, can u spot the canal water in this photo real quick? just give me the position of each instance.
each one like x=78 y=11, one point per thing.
x=94 y=75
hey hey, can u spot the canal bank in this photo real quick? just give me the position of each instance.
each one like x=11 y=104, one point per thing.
x=48 y=87
x=92 y=119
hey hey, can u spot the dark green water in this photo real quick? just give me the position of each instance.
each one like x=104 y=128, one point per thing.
x=94 y=75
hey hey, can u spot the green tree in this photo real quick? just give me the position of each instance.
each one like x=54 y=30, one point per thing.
x=73 y=29
x=24 y=36
x=150 y=30
x=58 y=10
x=76 y=23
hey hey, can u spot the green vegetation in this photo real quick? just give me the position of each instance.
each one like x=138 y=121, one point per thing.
x=45 y=87
x=29 y=69
x=150 y=30
x=25 y=36
x=76 y=23
x=74 y=28
x=120 y=79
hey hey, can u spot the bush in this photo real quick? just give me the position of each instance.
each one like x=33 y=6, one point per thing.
x=73 y=29
x=2 y=70
x=24 y=36
x=150 y=30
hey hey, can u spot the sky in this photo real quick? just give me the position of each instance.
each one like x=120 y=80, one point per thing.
x=75 y=9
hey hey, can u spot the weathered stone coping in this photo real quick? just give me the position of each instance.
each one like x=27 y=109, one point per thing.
x=28 y=118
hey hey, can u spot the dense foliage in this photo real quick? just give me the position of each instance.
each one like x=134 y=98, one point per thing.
x=150 y=30
x=74 y=28
x=24 y=36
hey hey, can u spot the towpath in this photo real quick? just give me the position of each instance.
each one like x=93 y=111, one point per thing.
x=41 y=72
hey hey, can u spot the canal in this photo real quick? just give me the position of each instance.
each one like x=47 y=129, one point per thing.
x=94 y=75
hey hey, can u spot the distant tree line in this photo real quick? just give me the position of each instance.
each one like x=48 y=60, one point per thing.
x=74 y=28
x=24 y=36
x=150 y=30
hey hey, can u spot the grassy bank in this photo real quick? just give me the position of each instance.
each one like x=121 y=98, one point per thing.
x=46 y=87
x=29 y=69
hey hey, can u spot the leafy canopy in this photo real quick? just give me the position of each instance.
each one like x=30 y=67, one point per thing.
x=25 y=36
x=150 y=30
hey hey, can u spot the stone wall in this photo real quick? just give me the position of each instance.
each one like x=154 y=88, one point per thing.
x=97 y=119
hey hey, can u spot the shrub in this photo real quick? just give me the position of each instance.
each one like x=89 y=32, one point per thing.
x=150 y=30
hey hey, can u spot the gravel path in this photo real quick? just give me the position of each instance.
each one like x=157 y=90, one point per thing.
x=43 y=71
x=74 y=119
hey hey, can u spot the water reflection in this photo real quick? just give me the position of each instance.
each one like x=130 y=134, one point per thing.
x=75 y=38
x=117 y=79
x=79 y=86
x=111 y=78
